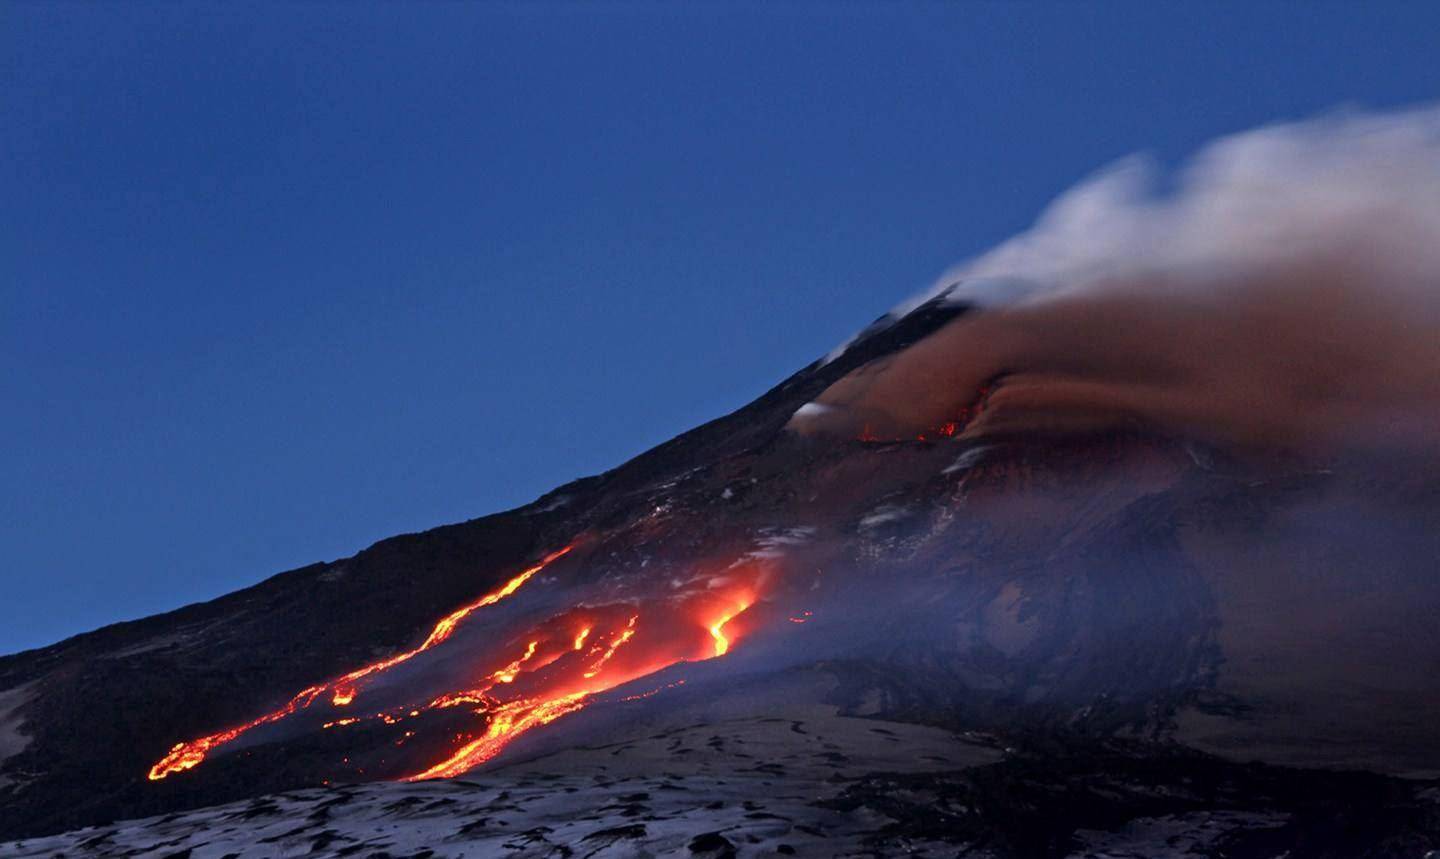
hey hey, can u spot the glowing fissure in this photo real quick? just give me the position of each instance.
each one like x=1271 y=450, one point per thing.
x=188 y=755
x=542 y=674
x=946 y=429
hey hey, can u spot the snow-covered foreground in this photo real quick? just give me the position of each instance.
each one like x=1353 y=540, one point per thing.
x=806 y=783
x=747 y=787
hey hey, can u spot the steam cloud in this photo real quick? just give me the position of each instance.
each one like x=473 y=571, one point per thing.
x=1286 y=294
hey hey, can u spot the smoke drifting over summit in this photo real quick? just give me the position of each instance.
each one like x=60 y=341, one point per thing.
x=1285 y=293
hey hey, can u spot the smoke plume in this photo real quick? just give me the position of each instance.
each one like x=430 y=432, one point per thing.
x=1285 y=294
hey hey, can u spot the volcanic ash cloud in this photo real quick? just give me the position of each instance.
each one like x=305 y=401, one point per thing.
x=1286 y=294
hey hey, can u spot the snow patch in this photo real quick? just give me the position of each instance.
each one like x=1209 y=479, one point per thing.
x=883 y=514
x=969 y=459
x=812 y=410
x=148 y=645
x=773 y=543
x=835 y=353
x=597 y=802
x=555 y=504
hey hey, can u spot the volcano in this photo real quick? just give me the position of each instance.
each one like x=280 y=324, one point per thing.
x=1110 y=617
x=1120 y=541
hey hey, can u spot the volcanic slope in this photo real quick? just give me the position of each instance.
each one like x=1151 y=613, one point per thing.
x=1110 y=605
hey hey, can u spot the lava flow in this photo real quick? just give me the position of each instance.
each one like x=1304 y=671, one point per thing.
x=717 y=630
x=632 y=642
x=188 y=755
x=545 y=672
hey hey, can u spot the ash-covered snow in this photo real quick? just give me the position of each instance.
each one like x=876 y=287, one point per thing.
x=772 y=542
x=967 y=460
x=883 y=515
x=749 y=787
x=1201 y=834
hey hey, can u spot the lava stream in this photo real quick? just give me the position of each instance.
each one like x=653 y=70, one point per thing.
x=506 y=723
x=549 y=670
x=345 y=686
x=722 y=643
x=188 y=755
x=185 y=756
x=672 y=638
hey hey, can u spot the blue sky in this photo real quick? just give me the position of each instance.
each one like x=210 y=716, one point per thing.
x=279 y=281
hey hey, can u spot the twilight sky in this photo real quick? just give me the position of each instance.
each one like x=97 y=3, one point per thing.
x=279 y=281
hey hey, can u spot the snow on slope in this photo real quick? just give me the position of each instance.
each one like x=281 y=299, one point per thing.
x=746 y=787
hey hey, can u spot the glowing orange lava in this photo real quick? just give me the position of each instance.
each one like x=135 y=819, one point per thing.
x=543 y=673
x=558 y=693
x=965 y=415
x=345 y=686
x=506 y=723
x=507 y=674
x=722 y=644
x=188 y=755
x=615 y=644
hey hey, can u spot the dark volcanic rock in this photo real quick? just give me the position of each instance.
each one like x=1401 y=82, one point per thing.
x=712 y=844
x=1148 y=801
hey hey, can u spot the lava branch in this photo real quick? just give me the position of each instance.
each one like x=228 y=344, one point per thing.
x=506 y=723
x=615 y=644
x=185 y=756
x=722 y=644
x=188 y=755
x=345 y=690
x=508 y=720
x=553 y=670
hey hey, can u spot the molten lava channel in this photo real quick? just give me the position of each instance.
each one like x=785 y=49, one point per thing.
x=626 y=642
x=717 y=630
x=188 y=755
x=549 y=671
